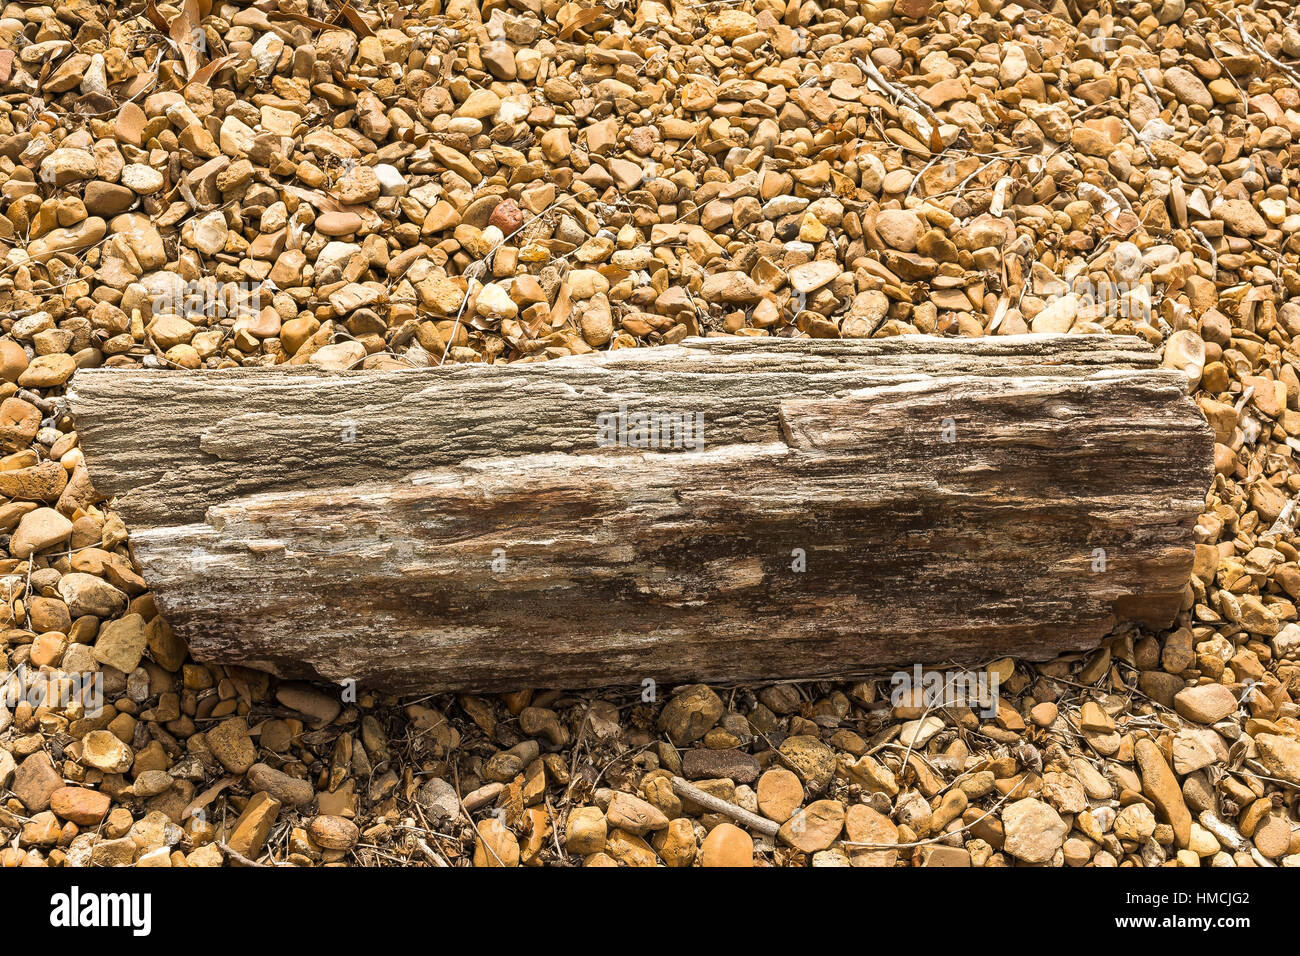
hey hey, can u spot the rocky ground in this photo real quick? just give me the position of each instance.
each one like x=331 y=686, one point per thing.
x=210 y=184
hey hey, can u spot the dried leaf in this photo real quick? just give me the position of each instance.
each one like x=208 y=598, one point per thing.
x=353 y=19
x=304 y=19
x=207 y=796
x=325 y=203
x=184 y=32
x=156 y=18
x=580 y=20
x=205 y=74
x=189 y=38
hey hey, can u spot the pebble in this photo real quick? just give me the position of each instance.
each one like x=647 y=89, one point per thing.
x=727 y=845
x=1034 y=831
x=80 y=805
x=811 y=759
x=319 y=708
x=690 y=714
x=863 y=824
x=254 y=824
x=586 y=831
x=333 y=832
x=700 y=763
x=1206 y=703
x=1280 y=756
x=814 y=827
x=38 y=530
x=634 y=815
x=290 y=791
x=1161 y=786
x=232 y=746
x=779 y=794
x=102 y=750
x=122 y=643
x=438 y=799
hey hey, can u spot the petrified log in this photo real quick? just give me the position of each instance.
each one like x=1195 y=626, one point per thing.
x=815 y=508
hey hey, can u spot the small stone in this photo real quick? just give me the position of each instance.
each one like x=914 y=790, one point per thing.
x=1135 y=823
x=780 y=794
x=334 y=832
x=494 y=303
x=232 y=746
x=900 y=229
x=727 y=845
x=811 y=759
x=1280 y=756
x=104 y=751
x=290 y=791
x=1161 y=786
x=815 y=827
x=704 y=764
x=121 y=643
x=1240 y=216
x=1187 y=87
x=254 y=825
x=496 y=845
x=48 y=371
x=690 y=714
x=634 y=815
x=1044 y=714
x=675 y=844
x=439 y=800
x=142 y=180
x=1205 y=703
x=41 y=529
x=730 y=287
x=80 y=805
x=340 y=355
x=507 y=216
x=1034 y=831
x=916 y=733
x=35 y=782
x=862 y=824
x=1272 y=836
x=811 y=276
x=319 y=708
x=585 y=831
x=87 y=594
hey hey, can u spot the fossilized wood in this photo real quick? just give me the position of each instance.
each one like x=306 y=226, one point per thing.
x=270 y=541
x=167 y=444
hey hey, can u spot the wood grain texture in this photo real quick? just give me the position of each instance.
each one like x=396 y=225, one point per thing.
x=952 y=499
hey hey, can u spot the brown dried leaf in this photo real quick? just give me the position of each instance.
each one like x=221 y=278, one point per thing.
x=207 y=796
x=304 y=19
x=353 y=19
x=205 y=74
x=156 y=18
x=184 y=31
x=188 y=36
x=580 y=20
